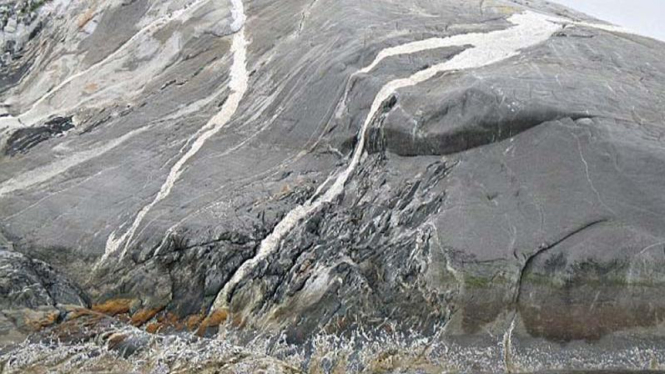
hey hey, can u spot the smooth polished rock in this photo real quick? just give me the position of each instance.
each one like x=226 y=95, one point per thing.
x=484 y=175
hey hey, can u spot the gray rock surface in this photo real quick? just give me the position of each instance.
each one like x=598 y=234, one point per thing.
x=28 y=283
x=484 y=175
x=31 y=295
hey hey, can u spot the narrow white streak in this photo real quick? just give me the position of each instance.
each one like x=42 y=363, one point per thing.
x=508 y=347
x=649 y=247
x=409 y=48
x=46 y=172
x=460 y=40
x=238 y=14
x=55 y=193
x=239 y=78
x=530 y=29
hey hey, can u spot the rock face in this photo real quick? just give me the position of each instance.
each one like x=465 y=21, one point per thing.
x=32 y=295
x=360 y=185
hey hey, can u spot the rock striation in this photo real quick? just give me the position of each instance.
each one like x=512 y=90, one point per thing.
x=328 y=186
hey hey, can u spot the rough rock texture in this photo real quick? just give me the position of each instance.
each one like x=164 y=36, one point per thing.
x=32 y=295
x=399 y=179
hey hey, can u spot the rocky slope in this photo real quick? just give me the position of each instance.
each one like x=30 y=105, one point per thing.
x=328 y=185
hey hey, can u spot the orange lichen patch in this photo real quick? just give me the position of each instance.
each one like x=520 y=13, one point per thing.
x=215 y=319
x=113 y=307
x=144 y=315
x=80 y=312
x=193 y=321
x=170 y=320
x=38 y=321
x=153 y=328
x=85 y=317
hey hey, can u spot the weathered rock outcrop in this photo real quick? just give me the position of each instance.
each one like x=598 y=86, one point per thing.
x=32 y=296
x=335 y=185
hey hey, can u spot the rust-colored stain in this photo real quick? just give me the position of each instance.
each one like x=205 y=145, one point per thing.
x=90 y=88
x=238 y=321
x=45 y=320
x=80 y=312
x=85 y=18
x=193 y=321
x=113 y=307
x=215 y=319
x=144 y=315
x=153 y=327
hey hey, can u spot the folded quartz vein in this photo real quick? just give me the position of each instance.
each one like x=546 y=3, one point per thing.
x=329 y=176
x=488 y=48
x=238 y=84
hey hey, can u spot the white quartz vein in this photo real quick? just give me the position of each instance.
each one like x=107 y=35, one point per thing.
x=46 y=172
x=529 y=29
x=238 y=84
x=29 y=118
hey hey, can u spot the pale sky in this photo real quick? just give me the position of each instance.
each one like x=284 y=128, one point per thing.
x=646 y=17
